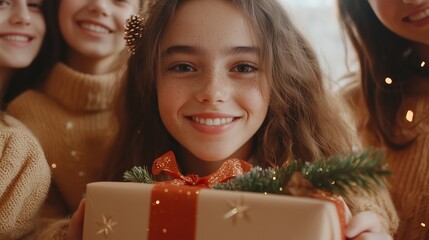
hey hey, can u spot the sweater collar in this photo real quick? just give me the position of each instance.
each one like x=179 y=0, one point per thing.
x=81 y=91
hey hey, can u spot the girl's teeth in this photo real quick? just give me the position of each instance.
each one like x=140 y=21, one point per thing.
x=94 y=28
x=212 y=121
x=17 y=38
x=420 y=15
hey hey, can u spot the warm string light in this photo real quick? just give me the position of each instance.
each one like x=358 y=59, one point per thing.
x=388 y=80
x=409 y=116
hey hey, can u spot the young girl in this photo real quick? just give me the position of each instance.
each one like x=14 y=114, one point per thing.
x=70 y=111
x=391 y=102
x=24 y=172
x=219 y=79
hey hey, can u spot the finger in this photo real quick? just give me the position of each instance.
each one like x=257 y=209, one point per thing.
x=75 y=228
x=373 y=236
x=347 y=213
x=363 y=222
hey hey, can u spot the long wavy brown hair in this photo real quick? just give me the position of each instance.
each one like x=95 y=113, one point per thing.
x=301 y=122
x=381 y=54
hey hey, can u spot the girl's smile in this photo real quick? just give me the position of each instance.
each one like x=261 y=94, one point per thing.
x=17 y=39
x=212 y=123
x=418 y=18
x=93 y=30
x=93 y=27
x=408 y=19
x=22 y=28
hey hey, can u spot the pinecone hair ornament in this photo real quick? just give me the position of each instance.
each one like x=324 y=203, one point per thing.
x=133 y=31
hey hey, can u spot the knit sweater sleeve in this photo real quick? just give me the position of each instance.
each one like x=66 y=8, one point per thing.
x=378 y=202
x=54 y=229
x=24 y=182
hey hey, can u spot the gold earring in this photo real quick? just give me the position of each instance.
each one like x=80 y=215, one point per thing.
x=133 y=32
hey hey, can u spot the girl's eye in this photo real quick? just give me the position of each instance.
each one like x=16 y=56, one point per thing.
x=128 y=2
x=4 y=3
x=244 y=68
x=34 y=5
x=183 y=68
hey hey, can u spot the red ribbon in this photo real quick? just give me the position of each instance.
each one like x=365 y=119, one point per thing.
x=229 y=169
x=173 y=212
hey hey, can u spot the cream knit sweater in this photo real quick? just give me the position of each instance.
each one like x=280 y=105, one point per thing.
x=72 y=118
x=24 y=179
x=410 y=166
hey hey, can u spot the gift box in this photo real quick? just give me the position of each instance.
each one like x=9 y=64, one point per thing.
x=127 y=211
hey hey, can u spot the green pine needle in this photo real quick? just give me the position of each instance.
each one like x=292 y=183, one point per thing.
x=341 y=173
x=269 y=180
x=333 y=175
x=138 y=174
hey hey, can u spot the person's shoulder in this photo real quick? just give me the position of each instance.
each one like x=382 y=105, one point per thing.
x=26 y=102
x=16 y=137
x=26 y=96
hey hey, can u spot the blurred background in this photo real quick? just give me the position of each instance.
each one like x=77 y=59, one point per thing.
x=317 y=19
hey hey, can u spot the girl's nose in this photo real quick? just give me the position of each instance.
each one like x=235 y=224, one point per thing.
x=99 y=7
x=20 y=15
x=214 y=90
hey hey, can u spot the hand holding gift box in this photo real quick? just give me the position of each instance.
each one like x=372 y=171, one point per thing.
x=179 y=210
x=213 y=80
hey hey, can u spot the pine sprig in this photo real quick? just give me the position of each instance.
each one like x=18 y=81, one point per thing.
x=138 y=174
x=341 y=173
x=334 y=175
x=269 y=180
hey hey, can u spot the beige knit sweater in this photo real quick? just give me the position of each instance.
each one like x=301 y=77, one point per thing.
x=410 y=166
x=24 y=179
x=72 y=118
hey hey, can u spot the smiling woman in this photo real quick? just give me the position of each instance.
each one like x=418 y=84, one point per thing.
x=70 y=111
x=24 y=173
x=390 y=98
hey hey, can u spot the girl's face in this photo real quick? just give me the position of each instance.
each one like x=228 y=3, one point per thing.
x=22 y=28
x=94 y=29
x=212 y=89
x=407 y=18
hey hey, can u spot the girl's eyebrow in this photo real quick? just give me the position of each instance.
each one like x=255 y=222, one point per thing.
x=242 y=50
x=184 y=49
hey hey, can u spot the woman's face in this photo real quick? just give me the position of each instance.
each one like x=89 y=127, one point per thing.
x=407 y=18
x=212 y=89
x=22 y=28
x=93 y=29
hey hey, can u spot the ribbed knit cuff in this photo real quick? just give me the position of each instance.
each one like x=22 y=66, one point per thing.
x=56 y=230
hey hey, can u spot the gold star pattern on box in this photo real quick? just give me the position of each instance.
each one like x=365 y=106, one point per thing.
x=106 y=226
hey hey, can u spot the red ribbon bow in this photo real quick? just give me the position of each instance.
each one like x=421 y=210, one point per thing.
x=229 y=169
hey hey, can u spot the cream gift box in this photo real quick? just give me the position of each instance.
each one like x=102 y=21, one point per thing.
x=128 y=211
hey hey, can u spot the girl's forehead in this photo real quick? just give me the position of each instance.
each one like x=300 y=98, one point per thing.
x=212 y=19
